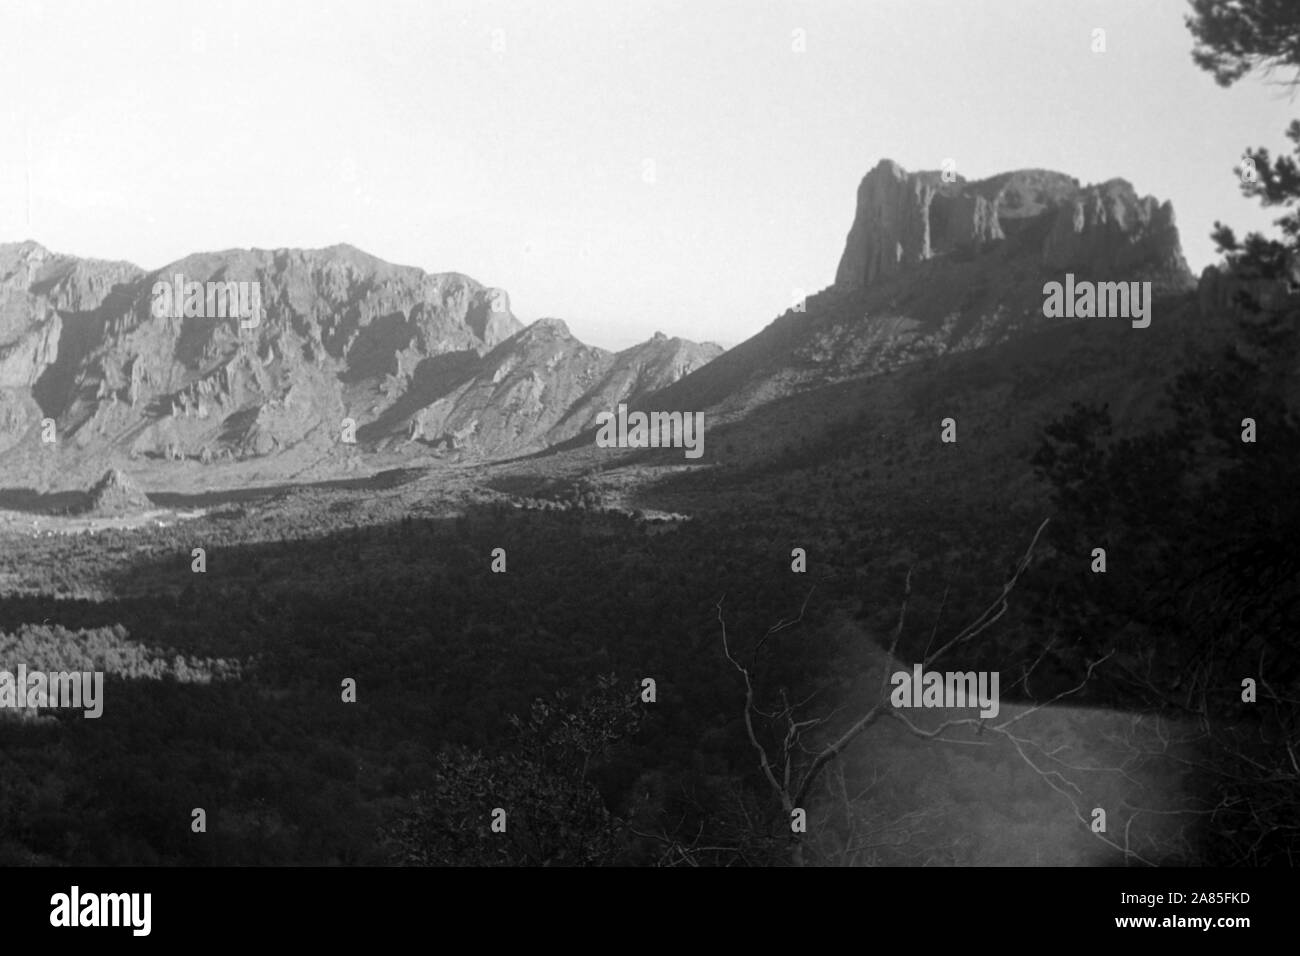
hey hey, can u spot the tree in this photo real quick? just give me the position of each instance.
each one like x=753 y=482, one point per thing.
x=553 y=814
x=1273 y=182
x=1203 y=582
x=1234 y=39
x=1200 y=517
x=1237 y=37
x=798 y=744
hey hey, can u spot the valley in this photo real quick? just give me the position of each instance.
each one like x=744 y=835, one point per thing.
x=430 y=588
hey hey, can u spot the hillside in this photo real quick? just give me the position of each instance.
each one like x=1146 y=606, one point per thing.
x=408 y=357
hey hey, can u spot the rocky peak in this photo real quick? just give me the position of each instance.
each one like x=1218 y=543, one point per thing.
x=905 y=218
x=116 y=493
x=549 y=327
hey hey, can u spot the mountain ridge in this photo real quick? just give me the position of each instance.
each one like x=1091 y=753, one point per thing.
x=437 y=362
x=346 y=338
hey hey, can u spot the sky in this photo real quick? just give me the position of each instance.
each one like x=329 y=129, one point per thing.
x=629 y=166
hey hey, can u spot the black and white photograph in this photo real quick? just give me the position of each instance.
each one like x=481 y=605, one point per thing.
x=640 y=434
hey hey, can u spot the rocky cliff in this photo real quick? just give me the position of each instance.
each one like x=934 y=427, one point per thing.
x=932 y=267
x=902 y=219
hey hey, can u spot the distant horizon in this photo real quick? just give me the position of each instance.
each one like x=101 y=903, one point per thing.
x=334 y=245
x=725 y=346
x=691 y=170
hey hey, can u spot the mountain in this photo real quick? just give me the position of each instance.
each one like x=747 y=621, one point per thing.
x=410 y=358
x=905 y=218
x=932 y=267
x=543 y=386
x=436 y=364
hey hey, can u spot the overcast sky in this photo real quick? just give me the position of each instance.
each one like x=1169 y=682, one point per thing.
x=513 y=141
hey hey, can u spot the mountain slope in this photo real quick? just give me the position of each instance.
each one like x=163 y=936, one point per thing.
x=932 y=267
x=341 y=335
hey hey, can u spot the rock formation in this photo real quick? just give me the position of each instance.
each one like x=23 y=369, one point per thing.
x=117 y=494
x=404 y=353
x=903 y=219
x=932 y=267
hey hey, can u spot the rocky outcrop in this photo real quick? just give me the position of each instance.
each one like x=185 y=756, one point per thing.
x=1108 y=228
x=24 y=359
x=934 y=267
x=903 y=219
x=117 y=494
x=891 y=228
